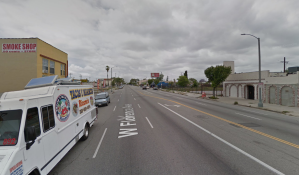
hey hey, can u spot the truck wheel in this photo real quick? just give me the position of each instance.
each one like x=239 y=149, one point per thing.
x=85 y=133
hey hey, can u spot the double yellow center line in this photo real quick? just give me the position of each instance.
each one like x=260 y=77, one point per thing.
x=228 y=121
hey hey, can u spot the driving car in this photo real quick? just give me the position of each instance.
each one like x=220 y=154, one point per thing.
x=102 y=99
x=144 y=88
x=155 y=88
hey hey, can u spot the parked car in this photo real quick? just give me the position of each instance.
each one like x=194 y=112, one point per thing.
x=102 y=99
x=155 y=88
x=144 y=88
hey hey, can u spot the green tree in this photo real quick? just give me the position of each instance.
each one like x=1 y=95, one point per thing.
x=113 y=83
x=183 y=81
x=156 y=81
x=107 y=69
x=217 y=75
x=186 y=74
x=194 y=82
x=170 y=84
x=161 y=76
x=150 y=81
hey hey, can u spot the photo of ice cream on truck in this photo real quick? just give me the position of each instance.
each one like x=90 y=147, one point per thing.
x=40 y=124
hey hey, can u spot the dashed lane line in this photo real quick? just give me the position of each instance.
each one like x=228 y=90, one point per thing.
x=114 y=108
x=231 y=122
x=227 y=143
x=248 y=116
x=139 y=106
x=149 y=122
x=98 y=147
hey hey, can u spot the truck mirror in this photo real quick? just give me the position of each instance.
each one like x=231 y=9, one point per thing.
x=30 y=136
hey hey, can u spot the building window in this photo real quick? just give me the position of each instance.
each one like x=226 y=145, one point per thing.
x=52 y=67
x=62 y=69
x=48 y=117
x=45 y=65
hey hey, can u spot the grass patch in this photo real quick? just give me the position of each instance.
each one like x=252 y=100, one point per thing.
x=213 y=97
x=284 y=112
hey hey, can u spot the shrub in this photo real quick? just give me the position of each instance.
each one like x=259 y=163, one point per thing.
x=236 y=103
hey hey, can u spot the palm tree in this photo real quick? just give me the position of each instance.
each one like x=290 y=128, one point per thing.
x=107 y=69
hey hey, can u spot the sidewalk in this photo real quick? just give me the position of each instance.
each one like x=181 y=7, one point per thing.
x=292 y=111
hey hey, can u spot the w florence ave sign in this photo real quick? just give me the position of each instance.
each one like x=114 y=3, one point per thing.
x=19 y=47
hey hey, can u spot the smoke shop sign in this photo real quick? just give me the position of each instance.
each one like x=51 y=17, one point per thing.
x=19 y=47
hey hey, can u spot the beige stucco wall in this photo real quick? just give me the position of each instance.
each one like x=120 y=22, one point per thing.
x=248 y=76
x=16 y=69
x=290 y=79
x=51 y=52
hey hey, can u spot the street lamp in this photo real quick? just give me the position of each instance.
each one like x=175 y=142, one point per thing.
x=260 y=104
x=111 y=77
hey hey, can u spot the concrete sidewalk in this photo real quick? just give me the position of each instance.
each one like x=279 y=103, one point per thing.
x=292 y=111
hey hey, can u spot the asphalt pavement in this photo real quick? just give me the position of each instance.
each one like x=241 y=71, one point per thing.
x=154 y=132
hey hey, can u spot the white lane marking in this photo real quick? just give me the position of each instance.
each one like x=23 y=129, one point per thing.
x=254 y=112
x=114 y=108
x=201 y=104
x=149 y=122
x=248 y=116
x=134 y=99
x=95 y=153
x=227 y=143
x=118 y=100
x=139 y=106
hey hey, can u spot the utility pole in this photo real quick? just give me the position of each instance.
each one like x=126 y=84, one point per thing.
x=284 y=64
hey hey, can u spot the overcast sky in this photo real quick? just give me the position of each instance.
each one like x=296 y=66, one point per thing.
x=145 y=36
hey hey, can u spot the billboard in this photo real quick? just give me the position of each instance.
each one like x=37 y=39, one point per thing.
x=155 y=75
x=18 y=47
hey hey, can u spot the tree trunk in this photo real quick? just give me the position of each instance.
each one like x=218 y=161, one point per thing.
x=107 y=79
x=214 y=91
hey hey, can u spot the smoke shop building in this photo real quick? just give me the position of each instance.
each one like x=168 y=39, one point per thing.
x=22 y=59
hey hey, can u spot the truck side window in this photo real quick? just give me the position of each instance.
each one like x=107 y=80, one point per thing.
x=48 y=117
x=32 y=119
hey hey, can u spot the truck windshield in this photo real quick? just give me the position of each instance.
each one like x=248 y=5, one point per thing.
x=9 y=127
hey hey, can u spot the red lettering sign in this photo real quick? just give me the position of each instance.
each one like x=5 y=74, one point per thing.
x=18 y=47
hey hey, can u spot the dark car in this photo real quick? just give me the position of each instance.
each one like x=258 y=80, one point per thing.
x=144 y=88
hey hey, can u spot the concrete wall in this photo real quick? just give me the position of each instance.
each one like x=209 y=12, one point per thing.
x=239 y=88
x=290 y=79
x=230 y=64
x=247 y=76
x=282 y=94
x=16 y=69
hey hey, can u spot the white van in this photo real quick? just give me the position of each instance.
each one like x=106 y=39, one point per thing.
x=40 y=124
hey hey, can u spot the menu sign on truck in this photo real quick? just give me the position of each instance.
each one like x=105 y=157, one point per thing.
x=18 y=47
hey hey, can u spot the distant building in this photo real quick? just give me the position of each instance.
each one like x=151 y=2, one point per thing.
x=22 y=59
x=277 y=87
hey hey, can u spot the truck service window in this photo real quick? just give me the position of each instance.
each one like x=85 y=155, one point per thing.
x=9 y=127
x=48 y=117
x=32 y=119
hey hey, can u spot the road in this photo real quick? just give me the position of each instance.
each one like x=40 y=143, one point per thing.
x=154 y=132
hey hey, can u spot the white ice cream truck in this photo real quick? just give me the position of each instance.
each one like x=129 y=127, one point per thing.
x=40 y=124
